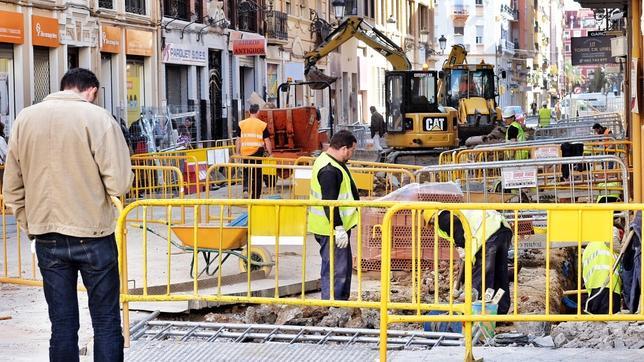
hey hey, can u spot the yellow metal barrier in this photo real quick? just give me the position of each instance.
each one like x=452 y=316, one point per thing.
x=308 y=161
x=17 y=248
x=570 y=226
x=156 y=182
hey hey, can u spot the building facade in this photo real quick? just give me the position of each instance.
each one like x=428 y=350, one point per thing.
x=117 y=40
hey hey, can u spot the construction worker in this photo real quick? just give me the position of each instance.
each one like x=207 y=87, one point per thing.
x=498 y=236
x=597 y=263
x=254 y=140
x=331 y=180
x=515 y=133
x=601 y=130
x=545 y=114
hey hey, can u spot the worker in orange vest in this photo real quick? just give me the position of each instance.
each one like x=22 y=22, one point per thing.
x=254 y=140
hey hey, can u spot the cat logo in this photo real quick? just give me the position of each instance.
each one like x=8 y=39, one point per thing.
x=435 y=124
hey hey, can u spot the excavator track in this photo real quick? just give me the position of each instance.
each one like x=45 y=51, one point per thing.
x=416 y=157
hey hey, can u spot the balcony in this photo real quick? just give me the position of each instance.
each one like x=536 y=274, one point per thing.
x=135 y=7
x=509 y=13
x=507 y=46
x=276 y=30
x=460 y=12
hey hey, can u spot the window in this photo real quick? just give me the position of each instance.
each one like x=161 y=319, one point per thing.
x=459 y=30
x=478 y=2
x=394 y=99
x=479 y=34
x=135 y=88
x=7 y=96
x=288 y=7
x=135 y=6
x=423 y=15
x=422 y=91
x=105 y=4
x=567 y=47
x=176 y=9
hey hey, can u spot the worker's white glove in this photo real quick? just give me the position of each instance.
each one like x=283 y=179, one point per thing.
x=341 y=237
x=461 y=253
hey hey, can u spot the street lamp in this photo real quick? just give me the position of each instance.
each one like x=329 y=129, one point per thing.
x=338 y=8
x=442 y=43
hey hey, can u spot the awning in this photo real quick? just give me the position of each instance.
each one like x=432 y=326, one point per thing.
x=601 y=4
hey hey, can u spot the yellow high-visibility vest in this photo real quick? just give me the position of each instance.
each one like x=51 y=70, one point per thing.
x=493 y=222
x=597 y=262
x=544 y=117
x=318 y=223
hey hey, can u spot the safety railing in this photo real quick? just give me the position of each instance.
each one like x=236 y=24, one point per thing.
x=156 y=182
x=598 y=118
x=186 y=261
x=18 y=264
x=556 y=180
x=535 y=296
x=621 y=149
x=270 y=179
x=575 y=129
x=439 y=285
x=308 y=161
x=595 y=138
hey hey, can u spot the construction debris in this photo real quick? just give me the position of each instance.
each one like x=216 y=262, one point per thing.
x=599 y=335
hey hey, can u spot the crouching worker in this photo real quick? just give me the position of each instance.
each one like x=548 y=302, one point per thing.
x=331 y=180
x=597 y=263
x=498 y=238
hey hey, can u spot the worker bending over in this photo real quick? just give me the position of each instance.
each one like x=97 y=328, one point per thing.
x=601 y=130
x=597 y=263
x=498 y=237
x=331 y=180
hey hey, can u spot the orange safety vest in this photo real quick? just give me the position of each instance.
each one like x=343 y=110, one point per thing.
x=251 y=138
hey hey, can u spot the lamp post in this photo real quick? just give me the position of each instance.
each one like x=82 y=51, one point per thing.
x=442 y=43
x=338 y=9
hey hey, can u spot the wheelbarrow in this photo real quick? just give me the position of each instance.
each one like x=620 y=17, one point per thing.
x=211 y=240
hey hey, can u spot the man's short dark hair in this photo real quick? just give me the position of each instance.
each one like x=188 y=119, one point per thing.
x=254 y=108
x=343 y=138
x=597 y=126
x=79 y=78
x=372 y=109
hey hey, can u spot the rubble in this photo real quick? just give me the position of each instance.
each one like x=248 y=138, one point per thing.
x=599 y=335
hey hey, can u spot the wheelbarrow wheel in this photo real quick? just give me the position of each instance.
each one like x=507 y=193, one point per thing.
x=257 y=255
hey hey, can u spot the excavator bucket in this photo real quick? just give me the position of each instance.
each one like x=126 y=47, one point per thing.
x=319 y=80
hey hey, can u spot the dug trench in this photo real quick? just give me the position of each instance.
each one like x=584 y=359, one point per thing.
x=530 y=300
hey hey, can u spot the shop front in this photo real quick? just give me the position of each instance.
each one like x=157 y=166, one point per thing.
x=45 y=39
x=139 y=50
x=11 y=34
x=111 y=46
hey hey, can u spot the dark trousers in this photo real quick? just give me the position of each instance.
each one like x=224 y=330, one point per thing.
x=253 y=179
x=496 y=267
x=599 y=304
x=60 y=258
x=342 y=269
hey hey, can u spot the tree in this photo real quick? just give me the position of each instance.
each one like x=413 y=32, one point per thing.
x=574 y=78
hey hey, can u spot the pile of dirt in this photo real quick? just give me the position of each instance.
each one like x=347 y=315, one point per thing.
x=599 y=335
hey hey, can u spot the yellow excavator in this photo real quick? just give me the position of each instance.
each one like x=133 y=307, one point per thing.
x=417 y=125
x=470 y=88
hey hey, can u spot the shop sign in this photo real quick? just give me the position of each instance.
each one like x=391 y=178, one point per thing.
x=591 y=50
x=111 y=39
x=44 y=31
x=185 y=54
x=138 y=42
x=249 y=47
x=11 y=28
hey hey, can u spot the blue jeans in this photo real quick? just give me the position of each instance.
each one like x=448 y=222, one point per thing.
x=342 y=269
x=60 y=258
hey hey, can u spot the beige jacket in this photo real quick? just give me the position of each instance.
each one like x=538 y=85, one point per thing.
x=66 y=158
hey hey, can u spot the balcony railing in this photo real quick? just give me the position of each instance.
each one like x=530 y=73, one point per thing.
x=178 y=9
x=507 y=45
x=459 y=10
x=276 y=25
x=135 y=6
x=105 y=4
x=510 y=12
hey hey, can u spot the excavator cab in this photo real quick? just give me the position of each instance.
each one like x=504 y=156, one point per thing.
x=413 y=116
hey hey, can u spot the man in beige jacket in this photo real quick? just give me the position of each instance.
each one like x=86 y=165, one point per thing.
x=66 y=158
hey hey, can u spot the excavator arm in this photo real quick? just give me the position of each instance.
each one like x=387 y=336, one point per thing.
x=356 y=27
